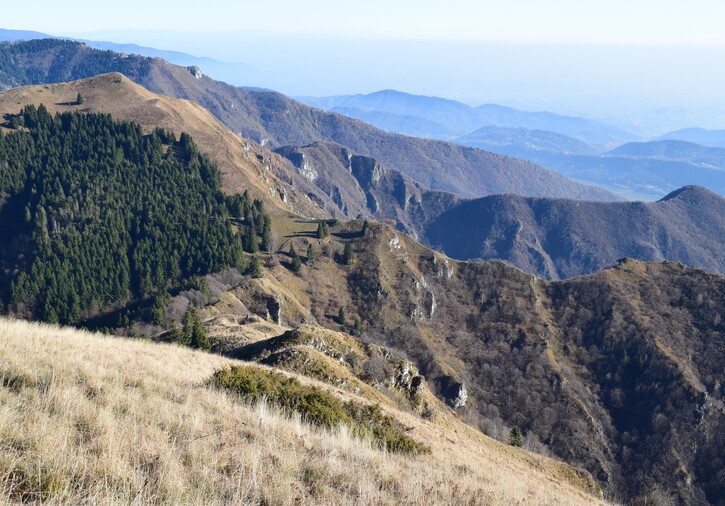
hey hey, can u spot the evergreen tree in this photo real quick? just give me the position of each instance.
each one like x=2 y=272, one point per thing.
x=322 y=230
x=255 y=267
x=158 y=310
x=311 y=255
x=192 y=330
x=515 y=437
x=357 y=328
x=266 y=233
x=79 y=99
x=348 y=255
x=296 y=261
x=341 y=316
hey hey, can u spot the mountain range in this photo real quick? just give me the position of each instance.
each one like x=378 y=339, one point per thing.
x=617 y=373
x=551 y=238
x=586 y=150
x=457 y=119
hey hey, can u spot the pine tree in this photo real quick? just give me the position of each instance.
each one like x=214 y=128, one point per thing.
x=255 y=268
x=192 y=330
x=79 y=99
x=310 y=254
x=348 y=255
x=158 y=310
x=267 y=233
x=296 y=260
x=357 y=328
x=341 y=316
x=515 y=437
x=250 y=239
x=322 y=230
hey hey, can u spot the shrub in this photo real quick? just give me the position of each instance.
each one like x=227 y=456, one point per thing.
x=317 y=406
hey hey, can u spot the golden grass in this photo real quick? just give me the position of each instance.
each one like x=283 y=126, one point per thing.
x=91 y=419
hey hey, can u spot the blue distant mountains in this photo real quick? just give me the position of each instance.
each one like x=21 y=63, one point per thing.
x=586 y=150
x=449 y=119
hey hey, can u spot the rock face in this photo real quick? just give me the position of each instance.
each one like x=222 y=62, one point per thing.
x=195 y=71
x=461 y=396
x=453 y=391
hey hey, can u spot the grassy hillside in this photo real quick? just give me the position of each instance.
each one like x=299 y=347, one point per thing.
x=92 y=419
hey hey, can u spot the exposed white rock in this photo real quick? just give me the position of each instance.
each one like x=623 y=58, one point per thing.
x=431 y=304
x=308 y=171
x=461 y=397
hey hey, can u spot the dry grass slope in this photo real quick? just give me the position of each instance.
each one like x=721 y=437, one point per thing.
x=92 y=419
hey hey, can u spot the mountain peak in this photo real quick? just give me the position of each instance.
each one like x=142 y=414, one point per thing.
x=690 y=193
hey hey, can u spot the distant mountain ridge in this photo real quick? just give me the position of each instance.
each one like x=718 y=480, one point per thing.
x=705 y=137
x=458 y=119
x=220 y=70
x=568 y=145
x=523 y=142
x=555 y=238
x=675 y=150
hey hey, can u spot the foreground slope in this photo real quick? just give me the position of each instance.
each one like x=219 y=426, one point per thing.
x=274 y=119
x=92 y=419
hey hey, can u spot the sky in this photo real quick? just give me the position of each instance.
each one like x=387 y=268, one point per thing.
x=658 y=63
x=665 y=22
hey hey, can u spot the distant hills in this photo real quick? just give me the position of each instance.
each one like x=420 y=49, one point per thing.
x=702 y=136
x=457 y=119
x=11 y=35
x=563 y=238
x=216 y=68
x=275 y=120
x=674 y=150
x=585 y=150
x=636 y=170
x=524 y=142
x=636 y=178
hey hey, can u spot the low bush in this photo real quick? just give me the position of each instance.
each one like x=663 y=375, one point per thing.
x=318 y=407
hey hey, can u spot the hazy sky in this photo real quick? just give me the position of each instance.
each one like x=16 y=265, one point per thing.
x=613 y=59
x=569 y=21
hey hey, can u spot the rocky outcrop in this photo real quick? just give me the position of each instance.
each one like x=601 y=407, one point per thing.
x=195 y=71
